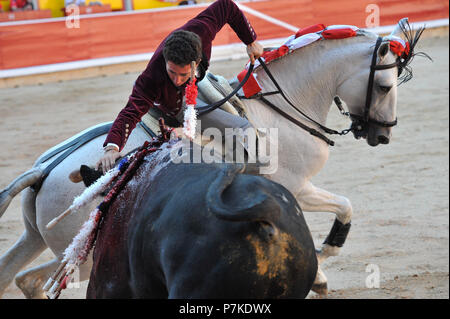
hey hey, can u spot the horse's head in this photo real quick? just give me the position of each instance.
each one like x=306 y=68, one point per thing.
x=371 y=96
x=370 y=90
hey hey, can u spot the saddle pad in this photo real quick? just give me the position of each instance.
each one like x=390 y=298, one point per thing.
x=151 y=123
x=213 y=88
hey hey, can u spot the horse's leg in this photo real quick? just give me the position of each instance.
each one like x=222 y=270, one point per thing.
x=25 y=250
x=32 y=280
x=29 y=246
x=314 y=199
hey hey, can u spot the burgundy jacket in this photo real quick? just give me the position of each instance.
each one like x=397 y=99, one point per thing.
x=153 y=88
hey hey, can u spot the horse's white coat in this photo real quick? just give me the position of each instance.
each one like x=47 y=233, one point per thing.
x=310 y=77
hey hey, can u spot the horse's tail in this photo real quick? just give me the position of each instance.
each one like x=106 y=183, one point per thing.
x=254 y=200
x=25 y=180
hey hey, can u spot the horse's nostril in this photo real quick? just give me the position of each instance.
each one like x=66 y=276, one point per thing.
x=383 y=139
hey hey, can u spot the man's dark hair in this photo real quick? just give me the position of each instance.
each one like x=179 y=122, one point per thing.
x=182 y=47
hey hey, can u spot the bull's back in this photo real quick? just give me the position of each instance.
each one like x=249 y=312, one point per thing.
x=209 y=232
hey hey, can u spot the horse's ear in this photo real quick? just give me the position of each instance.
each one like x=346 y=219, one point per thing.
x=383 y=49
x=398 y=31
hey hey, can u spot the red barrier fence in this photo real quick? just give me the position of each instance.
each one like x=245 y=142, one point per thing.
x=126 y=33
x=24 y=15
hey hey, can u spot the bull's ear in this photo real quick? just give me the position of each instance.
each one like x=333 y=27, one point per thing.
x=383 y=49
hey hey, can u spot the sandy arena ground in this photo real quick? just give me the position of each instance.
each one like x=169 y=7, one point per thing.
x=399 y=192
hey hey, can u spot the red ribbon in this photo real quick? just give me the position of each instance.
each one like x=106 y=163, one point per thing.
x=339 y=33
x=311 y=29
x=275 y=54
x=191 y=92
x=251 y=87
x=398 y=48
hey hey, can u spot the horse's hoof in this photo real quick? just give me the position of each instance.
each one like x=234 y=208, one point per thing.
x=32 y=289
x=320 y=289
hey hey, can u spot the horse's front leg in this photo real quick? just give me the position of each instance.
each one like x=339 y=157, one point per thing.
x=314 y=199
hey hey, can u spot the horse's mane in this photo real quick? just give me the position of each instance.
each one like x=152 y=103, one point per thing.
x=361 y=35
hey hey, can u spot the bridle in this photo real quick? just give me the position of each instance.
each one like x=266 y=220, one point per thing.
x=359 y=122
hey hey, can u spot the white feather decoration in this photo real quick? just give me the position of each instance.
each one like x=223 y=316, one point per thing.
x=190 y=121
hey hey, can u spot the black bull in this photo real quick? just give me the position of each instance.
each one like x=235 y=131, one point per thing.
x=203 y=231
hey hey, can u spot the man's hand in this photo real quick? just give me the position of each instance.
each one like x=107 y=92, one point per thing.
x=177 y=133
x=254 y=51
x=108 y=160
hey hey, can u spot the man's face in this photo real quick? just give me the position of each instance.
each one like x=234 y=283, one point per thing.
x=177 y=73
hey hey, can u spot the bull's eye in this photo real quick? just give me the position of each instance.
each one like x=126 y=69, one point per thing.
x=384 y=89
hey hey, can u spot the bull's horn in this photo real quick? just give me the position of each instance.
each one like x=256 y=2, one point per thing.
x=400 y=26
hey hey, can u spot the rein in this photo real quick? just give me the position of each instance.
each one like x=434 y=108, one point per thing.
x=359 y=122
x=209 y=108
x=312 y=131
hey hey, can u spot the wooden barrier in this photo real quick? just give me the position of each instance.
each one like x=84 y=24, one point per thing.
x=88 y=9
x=137 y=32
x=24 y=15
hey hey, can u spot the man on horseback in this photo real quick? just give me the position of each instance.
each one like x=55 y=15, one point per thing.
x=159 y=90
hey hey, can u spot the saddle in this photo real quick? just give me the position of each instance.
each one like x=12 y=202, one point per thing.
x=211 y=89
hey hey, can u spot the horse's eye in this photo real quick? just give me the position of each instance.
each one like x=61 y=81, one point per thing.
x=385 y=89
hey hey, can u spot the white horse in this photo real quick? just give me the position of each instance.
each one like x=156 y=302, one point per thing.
x=310 y=78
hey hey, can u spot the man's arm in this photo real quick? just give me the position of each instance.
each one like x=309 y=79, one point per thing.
x=117 y=137
x=126 y=121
